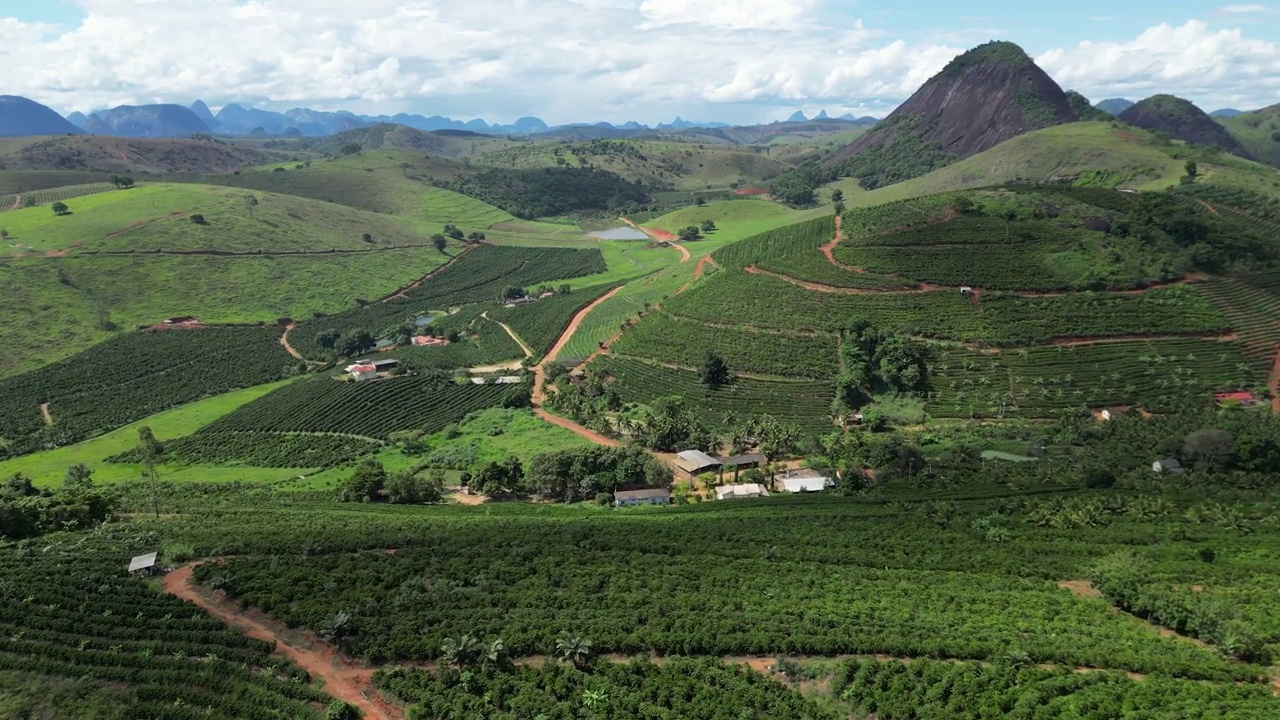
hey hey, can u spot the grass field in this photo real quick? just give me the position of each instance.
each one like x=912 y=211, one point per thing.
x=47 y=468
x=159 y=217
x=1130 y=157
x=1258 y=131
x=442 y=206
x=54 y=307
x=735 y=220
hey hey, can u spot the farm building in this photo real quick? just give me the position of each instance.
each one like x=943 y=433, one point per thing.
x=385 y=365
x=362 y=371
x=1169 y=466
x=648 y=496
x=428 y=341
x=144 y=564
x=738 y=463
x=1244 y=398
x=736 y=492
x=805 y=481
x=695 y=462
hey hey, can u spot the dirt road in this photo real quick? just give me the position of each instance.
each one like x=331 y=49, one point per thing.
x=284 y=343
x=44 y=413
x=540 y=375
x=341 y=679
x=661 y=235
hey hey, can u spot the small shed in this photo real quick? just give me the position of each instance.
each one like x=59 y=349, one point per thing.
x=737 y=463
x=385 y=365
x=966 y=290
x=695 y=462
x=736 y=492
x=144 y=564
x=647 y=496
x=1169 y=466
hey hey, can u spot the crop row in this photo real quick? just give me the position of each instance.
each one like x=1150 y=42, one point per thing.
x=864 y=222
x=479 y=275
x=743 y=299
x=371 y=409
x=1024 y=266
x=801 y=237
x=45 y=197
x=445 y=206
x=806 y=403
x=683 y=342
x=68 y=613
x=130 y=377
x=262 y=449
x=541 y=323
x=973 y=230
x=1159 y=375
x=1253 y=312
x=814 y=267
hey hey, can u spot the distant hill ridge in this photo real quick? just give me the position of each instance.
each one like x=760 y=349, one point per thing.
x=1184 y=121
x=20 y=117
x=147 y=121
x=982 y=98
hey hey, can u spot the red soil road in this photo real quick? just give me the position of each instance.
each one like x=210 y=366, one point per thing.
x=418 y=283
x=540 y=374
x=341 y=680
x=1083 y=341
x=661 y=236
x=284 y=342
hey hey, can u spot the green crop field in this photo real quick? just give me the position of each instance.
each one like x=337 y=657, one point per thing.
x=55 y=307
x=1253 y=309
x=1160 y=375
x=807 y=403
x=540 y=324
x=735 y=220
x=442 y=206
x=634 y=298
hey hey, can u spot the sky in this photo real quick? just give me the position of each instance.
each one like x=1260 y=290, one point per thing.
x=741 y=61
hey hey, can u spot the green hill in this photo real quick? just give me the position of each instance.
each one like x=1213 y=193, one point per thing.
x=1095 y=153
x=1258 y=132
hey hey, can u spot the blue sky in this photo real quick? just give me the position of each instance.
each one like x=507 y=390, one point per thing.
x=617 y=60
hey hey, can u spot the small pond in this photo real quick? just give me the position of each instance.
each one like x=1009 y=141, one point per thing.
x=620 y=233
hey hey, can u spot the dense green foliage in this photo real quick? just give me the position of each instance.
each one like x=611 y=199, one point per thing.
x=1010 y=689
x=905 y=156
x=370 y=409
x=683 y=688
x=27 y=512
x=261 y=449
x=130 y=377
x=571 y=475
x=67 y=610
x=685 y=343
x=549 y=192
x=480 y=275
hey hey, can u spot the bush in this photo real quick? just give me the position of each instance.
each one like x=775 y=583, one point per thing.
x=198 y=219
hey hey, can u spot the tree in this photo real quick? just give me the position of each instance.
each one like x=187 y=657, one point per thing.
x=440 y=241
x=1193 y=169
x=4 y=234
x=962 y=205
x=708 y=226
x=837 y=195
x=198 y=219
x=513 y=292
x=689 y=233
x=406 y=167
x=354 y=343
x=406 y=488
x=367 y=238
x=366 y=484
x=79 y=477
x=351 y=148
x=476 y=237
x=1008 y=216
x=328 y=338
x=715 y=372
x=126 y=182
x=460 y=651
x=1210 y=448
x=151 y=454
x=251 y=202
x=60 y=208
x=839 y=208
x=573 y=648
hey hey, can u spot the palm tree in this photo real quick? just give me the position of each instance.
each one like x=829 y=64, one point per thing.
x=593 y=699
x=493 y=654
x=573 y=648
x=460 y=651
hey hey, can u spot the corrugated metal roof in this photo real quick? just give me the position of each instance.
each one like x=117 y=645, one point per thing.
x=142 y=562
x=799 y=485
x=694 y=460
x=744 y=459
x=745 y=490
x=646 y=494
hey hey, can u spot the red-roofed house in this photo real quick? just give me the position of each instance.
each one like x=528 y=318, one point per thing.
x=362 y=372
x=1243 y=397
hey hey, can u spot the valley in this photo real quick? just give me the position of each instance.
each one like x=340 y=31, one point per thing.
x=970 y=412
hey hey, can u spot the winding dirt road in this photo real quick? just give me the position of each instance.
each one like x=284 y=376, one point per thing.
x=341 y=678
x=284 y=343
x=540 y=374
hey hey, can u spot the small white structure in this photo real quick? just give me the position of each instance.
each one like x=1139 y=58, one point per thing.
x=362 y=371
x=805 y=481
x=745 y=490
x=1169 y=466
x=966 y=290
x=144 y=564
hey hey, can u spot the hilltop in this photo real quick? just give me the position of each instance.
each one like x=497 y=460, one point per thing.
x=148 y=121
x=1114 y=106
x=1258 y=132
x=20 y=116
x=980 y=99
x=1182 y=120
x=131 y=155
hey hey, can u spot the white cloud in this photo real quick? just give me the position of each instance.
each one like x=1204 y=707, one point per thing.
x=1210 y=67
x=565 y=60
x=1244 y=9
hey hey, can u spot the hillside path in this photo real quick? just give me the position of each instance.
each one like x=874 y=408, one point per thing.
x=528 y=352
x=341 y=679
x=284 y=343
x=1274 y=384
x=403 y=292
x=540 y=374
x=44 y=413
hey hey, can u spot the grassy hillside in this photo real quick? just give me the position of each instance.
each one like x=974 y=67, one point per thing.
x=1258 y=132
x=734 y=219
x=52 y=308
x=160 y=216
x=1099 y=153
x=684 y=166
x=132 y=155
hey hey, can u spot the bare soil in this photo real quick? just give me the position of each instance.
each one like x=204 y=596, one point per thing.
x=44 y=412
x=1081 y=588
x=284 y=343
x=1274 y=384
x=342 y=679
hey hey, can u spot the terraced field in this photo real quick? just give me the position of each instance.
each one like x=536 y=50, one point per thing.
x=440 y=206
x=1252 y=305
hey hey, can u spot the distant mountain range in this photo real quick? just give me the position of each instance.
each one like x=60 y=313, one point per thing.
x=20 y=116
